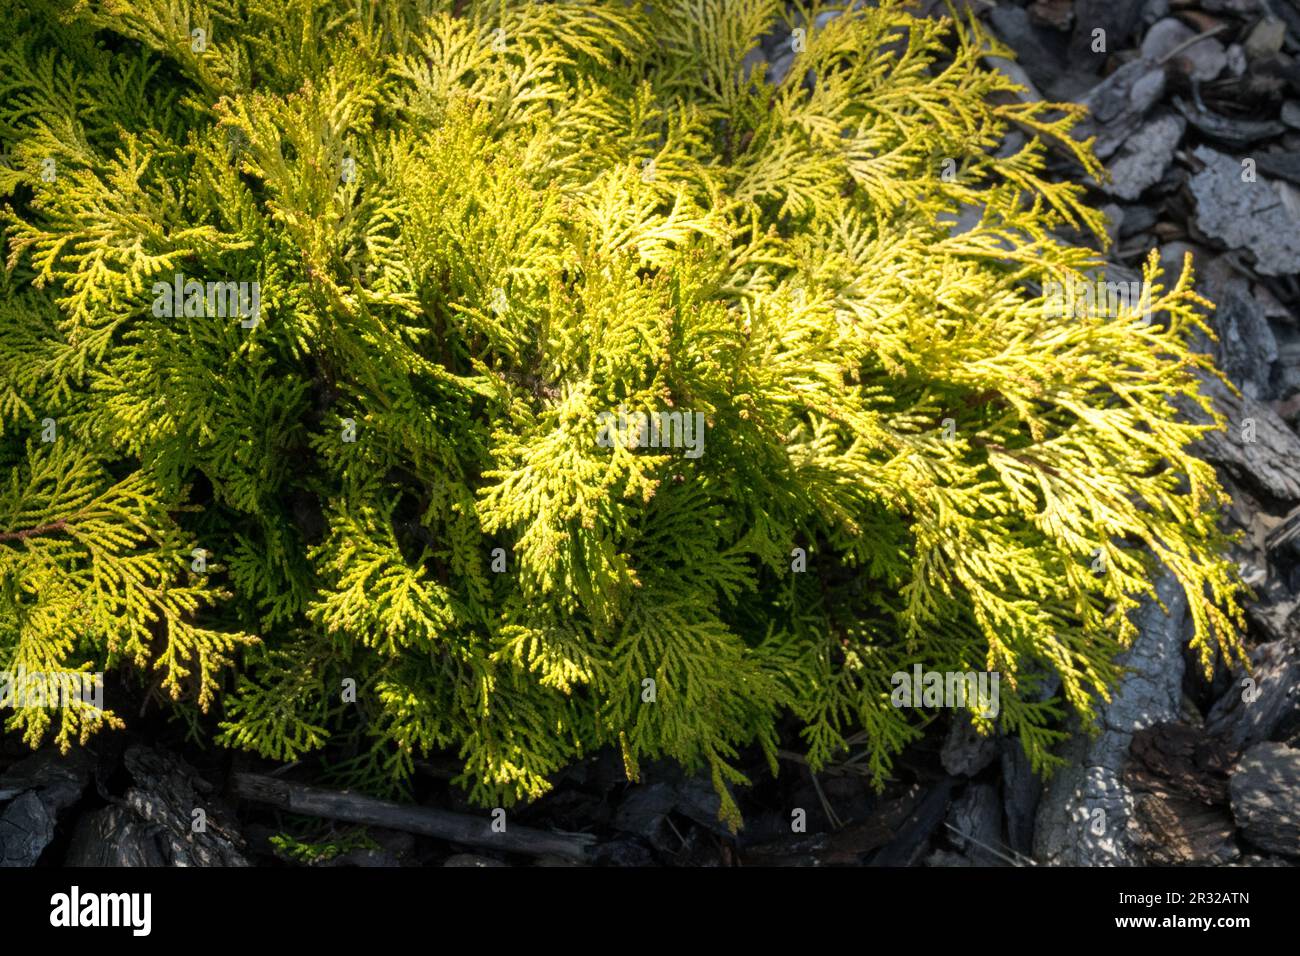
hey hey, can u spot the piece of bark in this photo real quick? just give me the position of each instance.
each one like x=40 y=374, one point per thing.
x=1250 y=215
x=975 y=826
x=1119 y=20
x=1280 y=166
x=1117 y=105
x=427 y=821
x=1275 y=613
x=169 y=816
x=646 y=807
x=1231 y=131
x=115 y=836
x=1266 y=707
x=966 y=751
x=912 y=840
x=1266 y=797
x=1284 y=534
x=1173 y=830
x=1242 y=89
x=38 y=788
x=645 y=811
x=1247 y=348
x=1021 y=791
x=1179 y=782
x=843 y=847
x=1178 y=758
x=1083 y=815
x=1259 y=450
x=61 y=779
x=1288 y=374
x=26 y=829
x=1142 y=160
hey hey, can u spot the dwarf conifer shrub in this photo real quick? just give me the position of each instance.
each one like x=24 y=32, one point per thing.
x=528 y=378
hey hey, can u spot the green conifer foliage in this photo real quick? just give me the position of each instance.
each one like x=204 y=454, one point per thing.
x=476 y=229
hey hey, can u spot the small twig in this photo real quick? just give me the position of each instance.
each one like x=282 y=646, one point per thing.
x=33 y=532
x=1014 y=861
x=676 y=832
x=149 y=695
x=831 y=815
x=1191 y=41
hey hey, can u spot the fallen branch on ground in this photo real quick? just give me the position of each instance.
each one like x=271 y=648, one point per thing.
x=443 y=824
